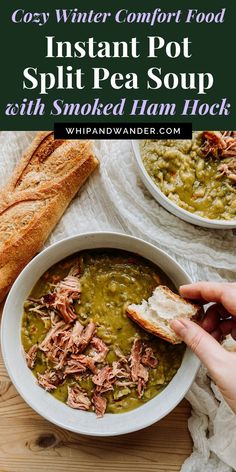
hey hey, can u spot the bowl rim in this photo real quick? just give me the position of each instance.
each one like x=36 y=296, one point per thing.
x=195 y=362
x=170 y=206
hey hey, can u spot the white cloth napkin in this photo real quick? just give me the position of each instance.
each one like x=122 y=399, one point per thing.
x=213 y=429
x=115 y=199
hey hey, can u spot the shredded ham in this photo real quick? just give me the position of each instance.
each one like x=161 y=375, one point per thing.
x=75 y=270
x=63 y=340
x=106 y=377
x=103 y=378
x=135 y=359
x=142 y=380
x=62 y=298
x=31 y=355
x=148 y=358
x=100 y=404
x=120 y=370
x=228 y=169
x=74 y=367
x=219 y=144
x=56 y=344
x=50 y=379
x=54 y=318
x=38 y=309
x=101 y=349
x=75 y=350
x=126 y=383
x=122 y=373
x=139 y=373
x=86 y=336
x=120 y=354
x=78 y=398
x=45 y=344
x=76 y=333
x=80 y=363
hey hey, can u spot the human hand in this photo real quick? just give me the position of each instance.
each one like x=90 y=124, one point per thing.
x=220 y=320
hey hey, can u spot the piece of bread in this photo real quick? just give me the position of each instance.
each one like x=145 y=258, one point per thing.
x=154 y=314
x=44 y=182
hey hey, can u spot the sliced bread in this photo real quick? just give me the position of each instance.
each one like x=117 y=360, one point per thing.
x=154 y=315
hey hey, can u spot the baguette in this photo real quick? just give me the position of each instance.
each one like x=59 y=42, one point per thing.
x=44 y=182
x=154 y=314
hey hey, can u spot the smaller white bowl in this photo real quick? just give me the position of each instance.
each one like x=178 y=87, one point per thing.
x=45 y=404
x=171 y=206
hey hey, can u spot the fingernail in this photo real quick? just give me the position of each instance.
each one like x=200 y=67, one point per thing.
x=181 y=287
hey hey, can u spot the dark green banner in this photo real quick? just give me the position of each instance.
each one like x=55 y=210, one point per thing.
x=117 y=61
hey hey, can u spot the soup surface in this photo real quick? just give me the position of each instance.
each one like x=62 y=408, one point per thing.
x=87 y=352
x=199 y=183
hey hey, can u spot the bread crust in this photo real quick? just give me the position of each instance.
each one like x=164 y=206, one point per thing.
x=158 y=330
x=29 y=209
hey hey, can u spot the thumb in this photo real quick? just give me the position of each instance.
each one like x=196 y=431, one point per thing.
x=201 y=343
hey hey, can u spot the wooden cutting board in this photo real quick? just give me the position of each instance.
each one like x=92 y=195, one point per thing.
x=28 y=443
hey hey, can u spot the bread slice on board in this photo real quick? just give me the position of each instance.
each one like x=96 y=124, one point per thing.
x=154 y=314
x=44 y=182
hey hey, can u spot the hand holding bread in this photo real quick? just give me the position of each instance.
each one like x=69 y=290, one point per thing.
x=155 y=314
x=168 y=316
x=219 y=321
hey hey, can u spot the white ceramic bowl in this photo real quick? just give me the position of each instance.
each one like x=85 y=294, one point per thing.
x=23 y=379
x=171 y=206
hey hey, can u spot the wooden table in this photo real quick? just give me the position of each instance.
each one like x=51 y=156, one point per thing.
x=28 y=443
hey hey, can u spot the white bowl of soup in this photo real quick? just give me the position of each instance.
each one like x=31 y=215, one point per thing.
x=198 y=189
x=115 y=270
